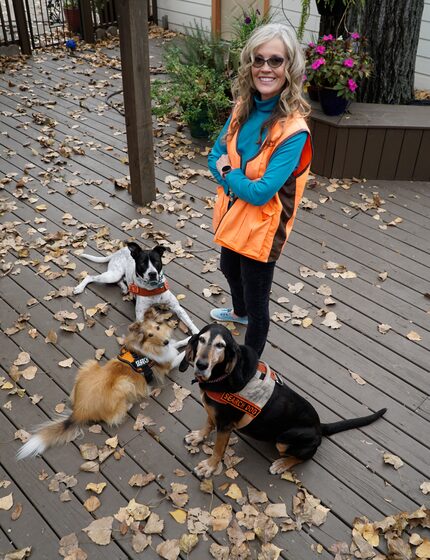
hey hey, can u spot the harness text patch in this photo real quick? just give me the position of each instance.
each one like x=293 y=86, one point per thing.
x=242 y=404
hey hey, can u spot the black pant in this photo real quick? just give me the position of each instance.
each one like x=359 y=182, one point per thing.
x=250 y=282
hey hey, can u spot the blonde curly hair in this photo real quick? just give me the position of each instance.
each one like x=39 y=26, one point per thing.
x=291 y=99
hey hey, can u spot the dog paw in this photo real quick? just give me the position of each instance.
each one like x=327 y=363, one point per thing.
x=279 y=466
x=205 y=469
x=78 y=290
x=194 y=437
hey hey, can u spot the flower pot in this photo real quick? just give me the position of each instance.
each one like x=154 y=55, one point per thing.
x=73 y=19
x=331 y=104
x=197 y=122
x=313 y=92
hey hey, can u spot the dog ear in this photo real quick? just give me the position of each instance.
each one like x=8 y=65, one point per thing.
x=151 y=313
x=134 y=327
x=134 y=249
x=159 y=249
x=231 y=356
x=190 y=352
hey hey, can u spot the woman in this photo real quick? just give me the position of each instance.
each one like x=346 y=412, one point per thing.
x=261 y=161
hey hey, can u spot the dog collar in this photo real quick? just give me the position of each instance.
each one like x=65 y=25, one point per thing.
x=140 y=364
x=253 y=397
x=137 y=290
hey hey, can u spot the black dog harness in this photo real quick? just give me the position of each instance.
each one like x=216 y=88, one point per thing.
x=140 y=364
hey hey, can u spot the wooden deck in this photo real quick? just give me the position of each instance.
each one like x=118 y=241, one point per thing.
x=52 y=203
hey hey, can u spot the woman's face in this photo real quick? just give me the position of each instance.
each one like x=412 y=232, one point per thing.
x=269 y=81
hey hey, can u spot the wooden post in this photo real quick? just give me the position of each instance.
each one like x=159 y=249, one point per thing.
x=87 y=26
x=21 y=24
x=133 y=34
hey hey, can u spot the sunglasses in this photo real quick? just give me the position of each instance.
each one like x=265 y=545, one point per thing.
x=273 y=61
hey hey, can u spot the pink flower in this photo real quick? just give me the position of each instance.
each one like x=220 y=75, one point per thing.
x=304 y=77
x=312 y=45
x=320 y=49
x=348 y=62
x=317 y=63
x=352 y=85
x=328 y=37
x=355 y=35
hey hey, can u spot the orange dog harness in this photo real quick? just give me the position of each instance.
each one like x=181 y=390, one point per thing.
x=140 y=364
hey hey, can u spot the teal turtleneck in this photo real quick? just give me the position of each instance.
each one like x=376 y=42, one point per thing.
x=282 y=163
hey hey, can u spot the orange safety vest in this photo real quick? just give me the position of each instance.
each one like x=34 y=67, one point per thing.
x=260 y=232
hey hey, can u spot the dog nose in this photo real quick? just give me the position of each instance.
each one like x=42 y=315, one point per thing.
x=166 y=342
x=152 y=275
x=201 y=365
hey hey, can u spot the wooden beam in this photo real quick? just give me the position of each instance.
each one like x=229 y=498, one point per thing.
x=21 y=24
x=266 y=7
x=86 y=21
x=133 y=34
x=216 y=17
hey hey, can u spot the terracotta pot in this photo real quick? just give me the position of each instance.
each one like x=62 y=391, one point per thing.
x=73 y=19
x=331 y=104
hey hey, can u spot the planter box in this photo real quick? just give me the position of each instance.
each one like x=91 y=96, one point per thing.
x=372 y=141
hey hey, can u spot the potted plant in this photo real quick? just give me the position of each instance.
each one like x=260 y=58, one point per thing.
x=337 y=67
x=72 y=15
x=196 y=95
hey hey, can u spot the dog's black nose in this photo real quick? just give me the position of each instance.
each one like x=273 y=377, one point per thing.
x=201 y=365
x=166 y=342
x=152 y=275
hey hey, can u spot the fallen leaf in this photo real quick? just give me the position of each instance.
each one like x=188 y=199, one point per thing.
x=97 y=488
x=90 y=466
x=89 y=451
x=100 y=530
x=412 y=335
x=29 y=373
x=221 y=517
x=16 y=513
x=92 y=503
x=141 y=480
x=154 y=525
x=425 y=487
x=357 y=378
x=169 y=550
x=383 y=328
x=423 y=551
x=112 y=442
x=6 y=502
x=140 y=541
x=187 y=542
x=331 y=320
x=393 y=460
x=234 y=492
x=18 y=554
x=179 y=515
x=22 y=359
x=66 y=363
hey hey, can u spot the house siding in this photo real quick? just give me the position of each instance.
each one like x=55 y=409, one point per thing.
x=182 y=14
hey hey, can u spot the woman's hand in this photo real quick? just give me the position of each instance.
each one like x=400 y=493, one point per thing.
x=223 y=161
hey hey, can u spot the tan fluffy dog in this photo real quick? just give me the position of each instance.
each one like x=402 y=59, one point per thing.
x=104 y=393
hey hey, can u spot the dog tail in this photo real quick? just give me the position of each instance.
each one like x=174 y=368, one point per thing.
x=55 y=432
x=335 y=427
x=96 y=259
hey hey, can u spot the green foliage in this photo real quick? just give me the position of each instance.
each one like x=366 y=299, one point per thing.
x=201 y=67
x=195 y=92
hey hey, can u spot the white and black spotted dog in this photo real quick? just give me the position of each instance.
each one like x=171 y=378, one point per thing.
x=139 y=272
